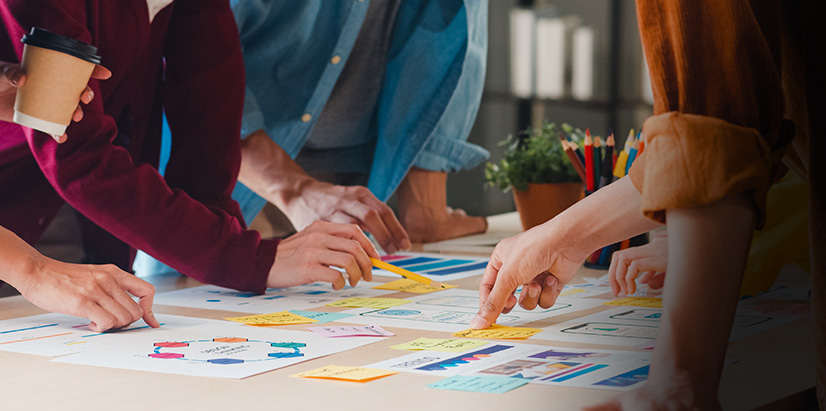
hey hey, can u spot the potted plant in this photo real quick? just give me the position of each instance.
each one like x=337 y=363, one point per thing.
x=535 y=166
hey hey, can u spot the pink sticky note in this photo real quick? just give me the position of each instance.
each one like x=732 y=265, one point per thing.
x=351 y=331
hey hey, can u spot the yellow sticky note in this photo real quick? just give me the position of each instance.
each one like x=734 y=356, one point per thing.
x=440 y=344
x=365 y=302
x=497 y=331
x=411 y=286
x=336 y=372
x=281 y=318
x=572 y=291
x=650 y=302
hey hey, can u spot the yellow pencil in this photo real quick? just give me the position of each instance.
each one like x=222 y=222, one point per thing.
x=404 y=273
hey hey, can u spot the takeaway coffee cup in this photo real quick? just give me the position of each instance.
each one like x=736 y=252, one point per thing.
x=57 y=70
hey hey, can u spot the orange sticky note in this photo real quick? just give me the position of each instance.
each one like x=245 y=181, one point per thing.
x=336 y=372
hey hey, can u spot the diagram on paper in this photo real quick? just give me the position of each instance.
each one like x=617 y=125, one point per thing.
x=214 y=349
x=440 y=267
x=274 y=300
x=467 y=299
x=635 y=326
x=53 y=335
x=452 y=310
x=602 y=369
x=226 y=350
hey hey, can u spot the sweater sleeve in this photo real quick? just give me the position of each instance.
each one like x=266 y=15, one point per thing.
x=133 y=202
x=717 y=128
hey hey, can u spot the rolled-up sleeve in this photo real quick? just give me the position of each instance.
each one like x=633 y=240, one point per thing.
x=716 y=129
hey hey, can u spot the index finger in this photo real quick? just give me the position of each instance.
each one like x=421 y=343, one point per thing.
x=354 y=232
x=145 y=293
x=495 y=296
x=394 y=227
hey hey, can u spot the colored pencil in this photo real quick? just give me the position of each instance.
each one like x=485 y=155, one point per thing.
x=404 y=273
x=642 y=143
x=609 y=150
x=635 y=147
x=622 y=159
x=589 y=161
x=597 y=161
x=605 y=171
x=580 y=169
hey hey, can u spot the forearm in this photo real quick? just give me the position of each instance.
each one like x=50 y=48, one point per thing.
x=16 y=258
x=268 y=170
x=707 y=253
x=610 y=215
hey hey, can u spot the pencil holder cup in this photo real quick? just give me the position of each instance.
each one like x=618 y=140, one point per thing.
x=601 y=259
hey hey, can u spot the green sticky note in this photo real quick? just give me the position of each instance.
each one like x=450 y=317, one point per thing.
x=495 y=385
x=321 y=317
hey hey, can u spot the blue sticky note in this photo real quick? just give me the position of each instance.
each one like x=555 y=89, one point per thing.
x=495 y=385
x=321 y=317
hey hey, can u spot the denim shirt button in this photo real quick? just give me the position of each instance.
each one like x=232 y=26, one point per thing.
x=335 y=59
x=306 y=117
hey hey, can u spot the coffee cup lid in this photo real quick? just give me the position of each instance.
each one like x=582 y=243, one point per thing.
x=46 y=39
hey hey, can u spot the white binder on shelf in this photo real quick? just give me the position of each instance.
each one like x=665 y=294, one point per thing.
x=582 y=63
x=522 y=30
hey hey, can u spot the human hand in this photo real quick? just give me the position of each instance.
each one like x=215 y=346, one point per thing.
x=12 y=77
x=96 y=292
x=424 y=212
x=531 y=259
x=428 y=225
x=308 y=256
x=321 y=201
x=647 y=261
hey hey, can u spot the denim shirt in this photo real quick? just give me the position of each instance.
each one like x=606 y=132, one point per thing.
x=294 y=52
x=432 y=88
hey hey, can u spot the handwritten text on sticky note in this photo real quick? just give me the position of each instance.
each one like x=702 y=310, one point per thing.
x=440 y=344
x=497 y=331
x=329 y=331
x=410 y=286
x=496 y=385
x=650 y=302
x=365 y=302
x=336 y=372
x=279 y=318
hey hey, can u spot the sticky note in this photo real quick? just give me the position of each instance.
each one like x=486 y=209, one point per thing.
x=321 y=317
x=410 y=286
x=572 y=291
x=440 y=344
x=280 y=318
x=650 y=302
x=495 y=385
x=336 y=372
x=497 y=331
x=329 y=331
x=366 y=302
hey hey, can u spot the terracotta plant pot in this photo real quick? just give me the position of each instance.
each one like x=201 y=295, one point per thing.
x=542 y=202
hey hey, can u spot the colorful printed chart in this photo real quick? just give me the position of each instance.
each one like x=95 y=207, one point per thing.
x=452 y=310
x=536 y=364
x=439 y=267
x=637 y=326
x=213 y=348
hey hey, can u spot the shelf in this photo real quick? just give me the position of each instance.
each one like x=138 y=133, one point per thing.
x=568 y=102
